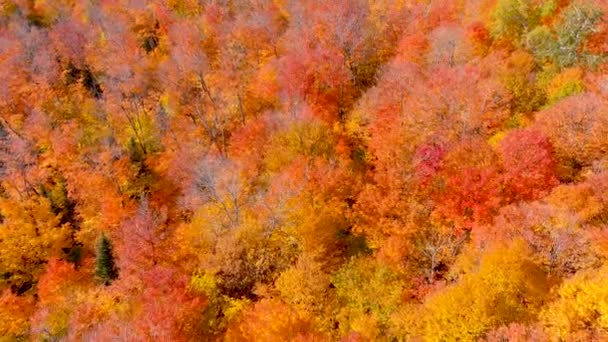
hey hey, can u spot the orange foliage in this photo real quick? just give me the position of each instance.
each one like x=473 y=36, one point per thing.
x=311 y=170
x=269 y=320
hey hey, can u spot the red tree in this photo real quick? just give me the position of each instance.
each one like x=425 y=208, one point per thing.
x=527 y=157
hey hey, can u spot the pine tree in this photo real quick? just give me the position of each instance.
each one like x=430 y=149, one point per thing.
x=105 y=268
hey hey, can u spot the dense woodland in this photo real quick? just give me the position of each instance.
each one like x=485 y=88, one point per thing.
x=290 y=170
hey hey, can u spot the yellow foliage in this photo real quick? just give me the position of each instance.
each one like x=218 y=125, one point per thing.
x=29 y=235
x=581 y=305
x=7 y=8
x=407 y=323
x=566 y=83
x=507 y=288
x=15 y=312
x=579 y=198
x=194 y=239
x=369 y=293
x=304 y=285
x=516 y=76
x=495 y=140
x=229 y=308
x=310 y=139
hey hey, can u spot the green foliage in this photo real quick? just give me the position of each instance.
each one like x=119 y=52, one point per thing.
x=576 y=23
x=221 y=310
x=548 y=8
x=518 y=77
x=527 y=97
x=369 y=293
x=563 y=45
x=137 y=154
x=567 y=89
x=307 y=170
x=57 y=194
x=309 y=139
x=541 y=42
x=568 y=82
x=75 y=254
x=105 y=267
x=514 y=18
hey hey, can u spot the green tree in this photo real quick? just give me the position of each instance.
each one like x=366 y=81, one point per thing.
x=577 y=22
x=368 y=293
x=513 y=18
x=564 y=47
x=105 y=268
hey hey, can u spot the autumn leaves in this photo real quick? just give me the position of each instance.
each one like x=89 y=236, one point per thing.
x=349 y=170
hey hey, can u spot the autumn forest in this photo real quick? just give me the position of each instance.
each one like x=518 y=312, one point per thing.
x=304 y=170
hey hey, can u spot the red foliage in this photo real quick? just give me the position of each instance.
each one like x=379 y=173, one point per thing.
x=58 y=278
x=428 y=160
x=247 y=142
x=237 y=139
x=141 y=240
x=169 y=312
x=472 y=196
x=478 y=32
x=527 y=157
x=517 y=332
x=318 y=76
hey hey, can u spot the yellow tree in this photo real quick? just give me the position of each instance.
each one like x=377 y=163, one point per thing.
x=506 y=288
x=580 y=309
x=368 y=294
x=29 y=235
